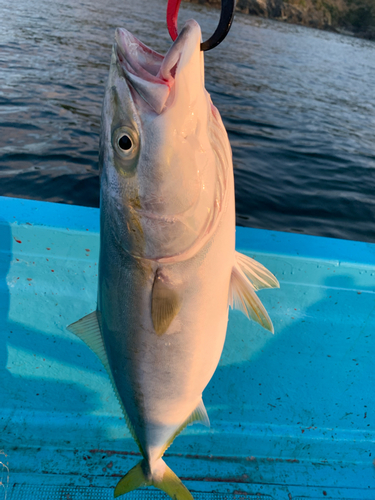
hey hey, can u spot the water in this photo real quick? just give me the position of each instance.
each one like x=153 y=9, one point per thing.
x=298 y=104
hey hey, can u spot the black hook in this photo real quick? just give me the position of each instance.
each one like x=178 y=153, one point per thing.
x=225 y=23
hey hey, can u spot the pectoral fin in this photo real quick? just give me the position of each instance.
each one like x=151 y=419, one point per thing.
x=243 y=297
x=165 y=304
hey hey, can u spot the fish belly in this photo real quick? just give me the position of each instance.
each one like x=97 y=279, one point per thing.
x=160 y=377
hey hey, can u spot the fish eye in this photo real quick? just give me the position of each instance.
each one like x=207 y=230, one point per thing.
x=125 y=142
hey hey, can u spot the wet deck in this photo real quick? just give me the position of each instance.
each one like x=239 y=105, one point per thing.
x=292 y=414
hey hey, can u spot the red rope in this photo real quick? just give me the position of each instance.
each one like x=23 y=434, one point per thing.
x=172 y=15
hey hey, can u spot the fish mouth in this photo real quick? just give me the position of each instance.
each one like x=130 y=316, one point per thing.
x=151 y=74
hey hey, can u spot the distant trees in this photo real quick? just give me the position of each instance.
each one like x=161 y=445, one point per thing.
x=355 y=16
x=360 y=17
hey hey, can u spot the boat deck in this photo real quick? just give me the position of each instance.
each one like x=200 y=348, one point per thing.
x=292 y=414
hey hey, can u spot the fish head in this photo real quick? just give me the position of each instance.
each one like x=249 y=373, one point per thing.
x=165 y=156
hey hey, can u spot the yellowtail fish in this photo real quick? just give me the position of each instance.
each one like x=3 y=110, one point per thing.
x=168 y=266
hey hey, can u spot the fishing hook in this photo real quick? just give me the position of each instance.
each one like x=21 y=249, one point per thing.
x=225 y=23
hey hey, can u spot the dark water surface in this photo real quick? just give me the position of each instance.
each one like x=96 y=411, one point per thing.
x=298 y=104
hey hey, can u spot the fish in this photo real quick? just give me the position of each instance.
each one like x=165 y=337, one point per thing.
x=168 y=268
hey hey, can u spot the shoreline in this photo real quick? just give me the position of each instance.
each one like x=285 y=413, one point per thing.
x=334 y=15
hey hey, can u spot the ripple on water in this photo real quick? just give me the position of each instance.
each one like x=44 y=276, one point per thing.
x=297 y=103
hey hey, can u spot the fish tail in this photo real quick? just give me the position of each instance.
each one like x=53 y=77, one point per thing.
x=160 y=476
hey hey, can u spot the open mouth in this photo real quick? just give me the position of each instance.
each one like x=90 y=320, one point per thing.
x=151 y=74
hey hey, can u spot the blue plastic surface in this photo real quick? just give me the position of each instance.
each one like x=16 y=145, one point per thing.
x=292 y=414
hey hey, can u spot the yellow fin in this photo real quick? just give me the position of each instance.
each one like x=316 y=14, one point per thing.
x=165 y=304
x=256 y=273
x=172 y=485
x=89 y=330
x=243 y=297
x=134 y=479
x=162 y=478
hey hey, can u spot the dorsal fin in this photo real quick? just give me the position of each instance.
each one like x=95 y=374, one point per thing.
x=256 y=273
x=243 y=297
x=89 y=330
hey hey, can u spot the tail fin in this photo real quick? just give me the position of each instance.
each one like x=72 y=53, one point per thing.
x=134 y=479
x=161 y=476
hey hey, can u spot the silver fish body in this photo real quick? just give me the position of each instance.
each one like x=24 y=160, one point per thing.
x=168 y=268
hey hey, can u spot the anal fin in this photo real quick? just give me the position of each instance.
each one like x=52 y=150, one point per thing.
x=198 y=415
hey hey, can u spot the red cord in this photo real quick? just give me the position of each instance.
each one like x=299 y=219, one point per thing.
x=172 y=15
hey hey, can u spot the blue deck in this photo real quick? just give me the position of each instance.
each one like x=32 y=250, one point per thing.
x=292 y=414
